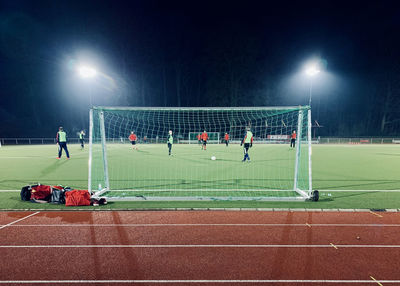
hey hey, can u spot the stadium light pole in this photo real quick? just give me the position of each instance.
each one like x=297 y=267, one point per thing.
x=87 y=72
x=312 y=69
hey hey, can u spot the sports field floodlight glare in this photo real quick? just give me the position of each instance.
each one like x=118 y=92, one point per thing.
x=86 y=71
x=312 y=69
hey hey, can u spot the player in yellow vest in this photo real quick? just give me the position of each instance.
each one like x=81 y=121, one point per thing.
x=170 y=141
x=62 y=142
x=248 y=143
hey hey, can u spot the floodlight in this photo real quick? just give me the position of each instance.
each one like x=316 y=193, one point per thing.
x=312 y=70
x=86 y=71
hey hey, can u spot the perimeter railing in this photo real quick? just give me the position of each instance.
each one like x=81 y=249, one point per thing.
x=319 y=140
x=33 y=141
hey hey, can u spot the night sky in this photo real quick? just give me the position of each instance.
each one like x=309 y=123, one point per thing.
x=199 y=53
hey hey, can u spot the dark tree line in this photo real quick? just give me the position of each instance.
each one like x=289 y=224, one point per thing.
x=172 y=57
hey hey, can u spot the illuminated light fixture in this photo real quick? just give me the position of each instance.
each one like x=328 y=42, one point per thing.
x=312 y=70
x=86 y=71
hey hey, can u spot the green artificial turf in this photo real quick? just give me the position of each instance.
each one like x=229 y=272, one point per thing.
x=190 y=168
x=335 y=167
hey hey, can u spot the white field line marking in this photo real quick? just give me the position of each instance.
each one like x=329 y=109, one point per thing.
x=208 y=224
x=190 y=281
x=239 y=190
x=25 y=217
x=230 y=190
x=25 y=157
x=386 y=191
x=203 y=246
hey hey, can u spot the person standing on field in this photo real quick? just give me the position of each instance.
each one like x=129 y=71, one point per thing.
x=204 y=138
x=293 y=139
x=170 y=141
x=62 y=142
x=82 y=139
x=199 y=138
x=133 y=139
x=226 y=138
x=248 y=143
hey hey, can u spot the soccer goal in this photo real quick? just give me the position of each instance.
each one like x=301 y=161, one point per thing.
x=146 y=171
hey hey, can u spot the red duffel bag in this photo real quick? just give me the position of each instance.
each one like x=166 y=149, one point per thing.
x=41 y=192
x=77 y=198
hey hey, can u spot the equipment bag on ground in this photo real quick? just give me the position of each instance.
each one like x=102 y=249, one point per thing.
x=58 y=195
x=41 y=192
x=26 y=193
x=77 y=198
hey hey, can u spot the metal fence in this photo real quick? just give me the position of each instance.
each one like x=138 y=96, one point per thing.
x=319 y=140
x=33 y=141
x=358 y=140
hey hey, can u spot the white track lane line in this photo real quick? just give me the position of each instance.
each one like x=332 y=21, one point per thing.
x=25 y=217
x=203 y=246
x=209 y=224
x=191 y=281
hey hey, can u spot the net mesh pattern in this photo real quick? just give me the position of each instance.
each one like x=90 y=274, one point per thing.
x=147 y=170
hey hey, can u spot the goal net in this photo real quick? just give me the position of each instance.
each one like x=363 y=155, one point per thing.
x=145 y=171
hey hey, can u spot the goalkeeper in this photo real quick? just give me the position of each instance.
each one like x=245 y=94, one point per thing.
x=170 y=141
x=248 y=143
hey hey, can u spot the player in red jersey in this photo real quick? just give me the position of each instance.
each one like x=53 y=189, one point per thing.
x=199 y=138
x=293 y=139
x=204 y=138
x=133 y=139
x=226 y=138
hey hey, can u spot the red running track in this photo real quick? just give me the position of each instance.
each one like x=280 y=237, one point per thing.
x=199 y=248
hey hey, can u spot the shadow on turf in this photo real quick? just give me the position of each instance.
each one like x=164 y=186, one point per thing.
x=325 y=199
x=367 y=183
x=240 y=160
x=388 y=154
x=53 y=167
x=246 y=184
x=348 y=195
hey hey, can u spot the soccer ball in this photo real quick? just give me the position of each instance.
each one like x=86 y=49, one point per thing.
x=213 y=158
